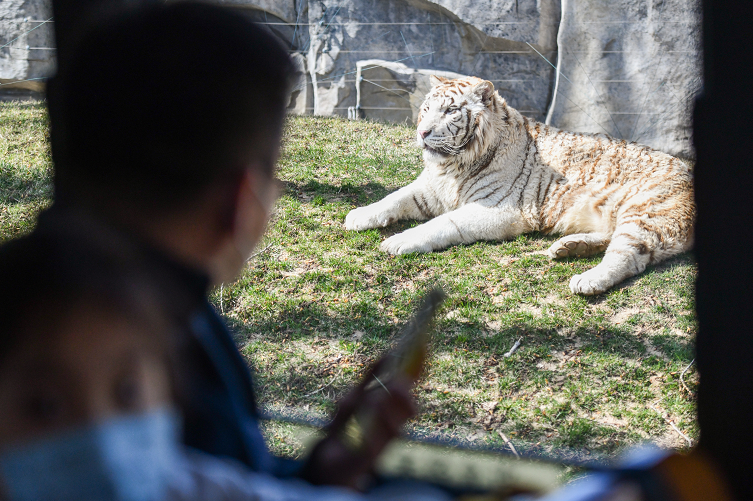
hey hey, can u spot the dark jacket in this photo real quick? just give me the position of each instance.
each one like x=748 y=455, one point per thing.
x=214 y=385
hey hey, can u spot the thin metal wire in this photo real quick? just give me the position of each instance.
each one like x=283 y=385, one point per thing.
x=392 y=79
x=371 y=41
x=653 y=79
x=25 y=33
x=496 y=23
x=366 y=51
x=413 y=57
x=571 y=101
x=408 y=51
x=297 y=17
x=645 y=100
x=345 y=108
x=370 y=67
x=599 y=94
x=374 y=108
x=676 y=108
x=331 y=19
x=408 y=48
x=679 y=103
x=548 y=61
x=631 y=52
x=670 y=110
x=20 y=81
x=413 y=106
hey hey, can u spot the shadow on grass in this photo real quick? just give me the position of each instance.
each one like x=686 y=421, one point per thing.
x=319 y=193
x=686 y=258
x=294 y=379
x=310 y=321
x=23 y=186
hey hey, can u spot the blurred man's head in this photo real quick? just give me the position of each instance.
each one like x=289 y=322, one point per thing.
x=173 y=113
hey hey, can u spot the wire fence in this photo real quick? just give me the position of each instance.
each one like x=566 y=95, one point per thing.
x=588 y=94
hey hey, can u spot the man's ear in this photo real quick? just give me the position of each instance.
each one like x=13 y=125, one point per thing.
x=435 y=80
x=233 y=199
x=484 y=90
x=236 y=213
x=245 y=201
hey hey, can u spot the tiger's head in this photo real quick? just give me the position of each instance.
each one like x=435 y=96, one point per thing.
x=454 y=115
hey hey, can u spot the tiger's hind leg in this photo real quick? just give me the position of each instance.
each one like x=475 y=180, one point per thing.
x=628 y=254
x=578 y=245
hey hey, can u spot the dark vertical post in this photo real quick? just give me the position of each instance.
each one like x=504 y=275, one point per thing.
x=68 y=14
x=71 y=19
x=723 y=135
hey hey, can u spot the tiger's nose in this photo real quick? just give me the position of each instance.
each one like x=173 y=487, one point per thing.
x=424 y=133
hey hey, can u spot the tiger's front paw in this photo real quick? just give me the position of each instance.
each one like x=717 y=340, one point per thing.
x=405 y=243
x=589 y=283
x=364 y=218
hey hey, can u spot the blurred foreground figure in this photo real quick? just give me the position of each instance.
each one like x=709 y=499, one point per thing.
x=84 y=388
x=166 y=126
x=88 y=401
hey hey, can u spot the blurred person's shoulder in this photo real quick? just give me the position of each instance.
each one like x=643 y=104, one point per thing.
x=79 y=233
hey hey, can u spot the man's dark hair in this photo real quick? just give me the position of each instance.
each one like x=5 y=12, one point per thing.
x=156 y=103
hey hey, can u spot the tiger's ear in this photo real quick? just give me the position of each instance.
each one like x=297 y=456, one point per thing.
x=484 y=90
x=435 y=80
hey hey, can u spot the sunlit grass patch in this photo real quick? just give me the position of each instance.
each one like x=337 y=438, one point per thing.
x=25 y=181
x=322 y=303
x=318 y=304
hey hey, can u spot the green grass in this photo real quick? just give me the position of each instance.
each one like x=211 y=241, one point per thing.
x=318 y=304
x=25 y=163
x=321 y=303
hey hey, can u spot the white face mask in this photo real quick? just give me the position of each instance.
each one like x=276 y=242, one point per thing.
x=126 y=458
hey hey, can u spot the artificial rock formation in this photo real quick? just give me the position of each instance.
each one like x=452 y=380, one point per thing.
x=426 y=35
x=391 y=91
x=27 y=39
x=629 y=68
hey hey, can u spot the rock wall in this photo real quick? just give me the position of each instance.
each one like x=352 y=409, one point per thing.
x=398 y=97
x=629 y=68
x=428 y=36
x=27 y=40
x=489 y=40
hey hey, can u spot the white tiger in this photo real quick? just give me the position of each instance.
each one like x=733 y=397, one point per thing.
x=492 y=174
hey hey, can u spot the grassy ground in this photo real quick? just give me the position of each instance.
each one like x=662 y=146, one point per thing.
x=318 y=304
x=25 y=164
